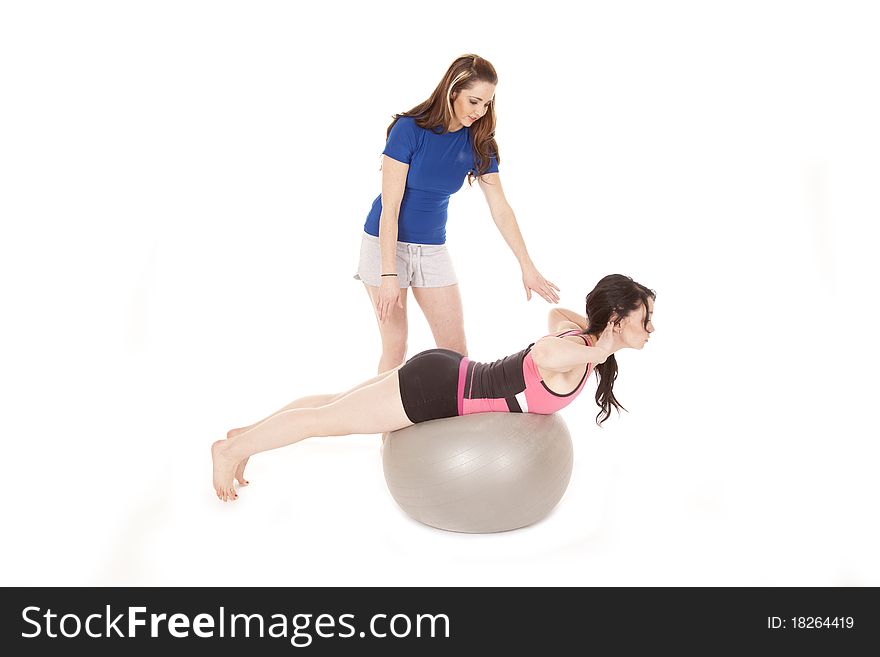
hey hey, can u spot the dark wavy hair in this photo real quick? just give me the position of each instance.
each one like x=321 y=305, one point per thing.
x=616 y=295
x=436 y=112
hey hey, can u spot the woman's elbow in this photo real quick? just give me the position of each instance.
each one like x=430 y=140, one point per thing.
x=390 y=212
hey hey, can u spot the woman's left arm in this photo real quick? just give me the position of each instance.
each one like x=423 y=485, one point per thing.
x=505 y=220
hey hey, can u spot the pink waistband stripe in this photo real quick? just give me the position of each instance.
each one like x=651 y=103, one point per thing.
x=462 y=375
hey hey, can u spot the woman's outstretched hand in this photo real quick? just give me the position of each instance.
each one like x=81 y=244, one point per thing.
x=389 y=295
x=606 y=342
x=533 y=281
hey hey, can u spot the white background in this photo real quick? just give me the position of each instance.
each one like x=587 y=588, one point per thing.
x=182 y=191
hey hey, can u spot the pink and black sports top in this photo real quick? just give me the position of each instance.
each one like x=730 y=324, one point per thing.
x=512 y=384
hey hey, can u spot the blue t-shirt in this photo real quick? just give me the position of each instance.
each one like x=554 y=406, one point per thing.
x=438 y=166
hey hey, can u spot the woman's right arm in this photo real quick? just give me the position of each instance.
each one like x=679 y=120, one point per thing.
x=561 y=355
x=559 y=315
x=393 y=184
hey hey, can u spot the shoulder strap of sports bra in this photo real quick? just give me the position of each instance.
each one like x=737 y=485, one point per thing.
x=576 y=332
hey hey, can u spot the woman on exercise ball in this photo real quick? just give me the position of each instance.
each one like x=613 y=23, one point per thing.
x=542 y=378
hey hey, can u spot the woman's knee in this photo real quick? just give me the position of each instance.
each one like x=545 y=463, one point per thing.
x=394 y=339
x=394 y=354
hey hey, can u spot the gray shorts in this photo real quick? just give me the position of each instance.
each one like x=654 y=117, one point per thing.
x=418 y=265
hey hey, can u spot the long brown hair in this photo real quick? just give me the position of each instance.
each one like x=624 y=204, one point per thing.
x=436 y=112
x=618 y=295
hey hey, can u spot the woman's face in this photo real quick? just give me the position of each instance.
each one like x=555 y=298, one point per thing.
x=469 y=105
x=633 y=331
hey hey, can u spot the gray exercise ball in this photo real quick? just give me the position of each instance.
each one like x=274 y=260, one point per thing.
x=480 y=473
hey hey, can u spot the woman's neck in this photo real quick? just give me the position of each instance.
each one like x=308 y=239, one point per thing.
x=615 y=347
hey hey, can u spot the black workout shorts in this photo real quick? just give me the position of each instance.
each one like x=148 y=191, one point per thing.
x=429 y=385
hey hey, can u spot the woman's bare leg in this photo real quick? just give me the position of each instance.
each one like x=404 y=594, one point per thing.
x=394 y=331
x=303 y=402
x=371 y=408
x=443 y=310
x=312 y=401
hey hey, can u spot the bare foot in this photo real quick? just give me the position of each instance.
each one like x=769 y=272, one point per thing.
x=239 y=468
x=224 y=470
x=239 y=473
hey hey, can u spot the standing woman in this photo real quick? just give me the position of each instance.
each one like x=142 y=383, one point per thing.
x=430 y=150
